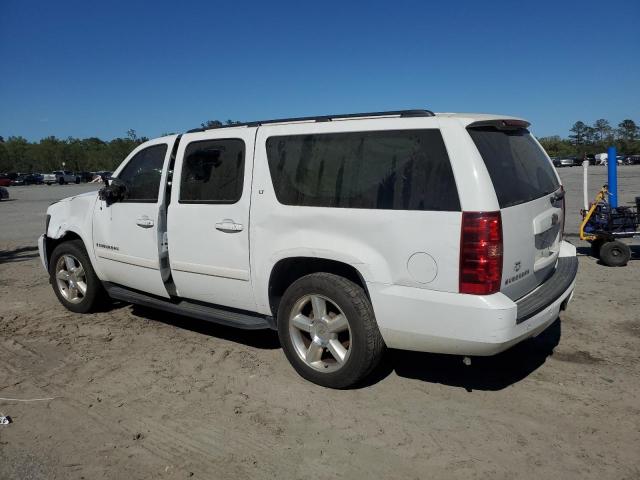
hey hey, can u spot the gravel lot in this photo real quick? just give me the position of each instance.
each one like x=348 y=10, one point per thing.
x=141 y=394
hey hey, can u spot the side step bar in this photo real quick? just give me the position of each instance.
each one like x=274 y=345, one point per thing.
x=209 y=313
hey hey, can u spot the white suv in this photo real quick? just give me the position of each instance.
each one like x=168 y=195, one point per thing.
x=347 y=234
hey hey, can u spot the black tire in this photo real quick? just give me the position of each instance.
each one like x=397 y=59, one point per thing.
x=366 y=346
x=61 y=181
x=77 y=180
x=615 y=254
x=596 y=245
x=94 y=295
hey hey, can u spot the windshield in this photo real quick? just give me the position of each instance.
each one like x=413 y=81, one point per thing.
x=517 y=165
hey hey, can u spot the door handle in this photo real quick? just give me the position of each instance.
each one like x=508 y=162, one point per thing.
x=144 y=222
x=229 y=226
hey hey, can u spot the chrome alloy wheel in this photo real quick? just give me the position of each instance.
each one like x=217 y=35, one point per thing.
x=71 y=279
x=320 y=333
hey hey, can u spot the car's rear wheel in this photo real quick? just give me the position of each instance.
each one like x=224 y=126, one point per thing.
x=74 y=281
x=328 y=330
x=615 y=254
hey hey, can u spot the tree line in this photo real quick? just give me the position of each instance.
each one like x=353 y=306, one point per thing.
x=77 y=154
x=93 y=154
x=51 y=153
x=587 y=139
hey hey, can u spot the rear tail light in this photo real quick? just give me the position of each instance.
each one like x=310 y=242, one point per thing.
x=480 y=253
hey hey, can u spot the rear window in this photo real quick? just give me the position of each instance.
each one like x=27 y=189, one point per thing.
x=395 y=170
x=518 y=167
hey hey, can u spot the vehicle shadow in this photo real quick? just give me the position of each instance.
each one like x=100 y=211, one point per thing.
x=586 y=251
x=262 y=339
x=18 y=254
x=485 y=373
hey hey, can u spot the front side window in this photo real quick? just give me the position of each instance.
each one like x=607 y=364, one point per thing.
x=213 y=171
x=141 y=176
x=393 y=169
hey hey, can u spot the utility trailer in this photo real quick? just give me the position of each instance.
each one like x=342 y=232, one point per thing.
x=604 y=223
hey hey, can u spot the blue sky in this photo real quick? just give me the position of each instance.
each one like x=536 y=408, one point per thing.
x=72 y=68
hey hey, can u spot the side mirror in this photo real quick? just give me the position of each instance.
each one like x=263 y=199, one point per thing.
x=113 y=192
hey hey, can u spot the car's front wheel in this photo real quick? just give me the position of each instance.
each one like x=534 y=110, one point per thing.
x=328 y=330
x=74 y=281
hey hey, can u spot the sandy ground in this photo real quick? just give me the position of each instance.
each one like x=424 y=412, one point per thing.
x=139 y=394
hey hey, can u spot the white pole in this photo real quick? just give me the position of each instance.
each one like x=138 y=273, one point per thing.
x=585 y=184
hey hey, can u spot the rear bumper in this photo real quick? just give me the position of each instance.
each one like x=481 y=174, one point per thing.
x=441 y=322
x=547 y=293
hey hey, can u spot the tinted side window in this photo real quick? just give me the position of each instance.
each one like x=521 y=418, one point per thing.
x=397 y=170
x=213 y=171
x=142 y=174
x=519 y=169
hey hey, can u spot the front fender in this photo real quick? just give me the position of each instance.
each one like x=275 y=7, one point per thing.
x=70 y=218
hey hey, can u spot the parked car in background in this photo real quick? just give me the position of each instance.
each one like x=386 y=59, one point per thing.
x=5 y=181
x=29 y=179
x=566 y=162
x=555 y=161
x=34 y=179
x=4 y=193
x=19 y=180
x=632 y=160
x=84 y=176
x=26 y=179
x=604 y=160
x=61 y=177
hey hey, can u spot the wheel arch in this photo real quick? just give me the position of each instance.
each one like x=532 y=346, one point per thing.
x=66 y=233
x=66 y=236
x=287 y=270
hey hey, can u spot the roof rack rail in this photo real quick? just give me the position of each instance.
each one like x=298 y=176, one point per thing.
x=325 y=118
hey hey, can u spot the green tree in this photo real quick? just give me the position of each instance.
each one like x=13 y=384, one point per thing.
x=579 y=130
x=557 y=147
x=603 y=129
x=627 y=130
x=5 y=165
x=590 y=135
x=17 y=150
x=211 y=124
x=218 y=123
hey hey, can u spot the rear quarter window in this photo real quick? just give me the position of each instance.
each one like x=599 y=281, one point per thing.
x=395 y=170
x=517 y=165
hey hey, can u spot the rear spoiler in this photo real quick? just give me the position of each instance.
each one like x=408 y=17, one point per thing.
x=510 y=124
